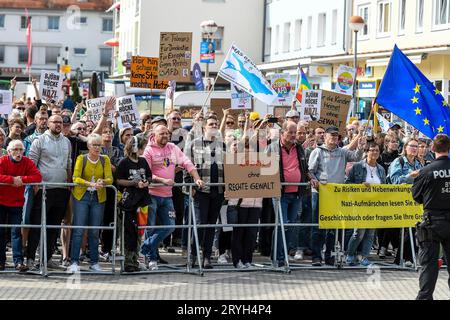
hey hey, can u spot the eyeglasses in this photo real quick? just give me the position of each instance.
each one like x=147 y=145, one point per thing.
x=22 y=109
x=56 y=122
x=176 y=119
x=374 y=150
x=230 y=123
x=413 y=146
x=96 y=145
x=17 y=150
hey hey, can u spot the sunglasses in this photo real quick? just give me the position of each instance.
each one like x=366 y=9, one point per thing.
x=176 y=119
x=230 y=123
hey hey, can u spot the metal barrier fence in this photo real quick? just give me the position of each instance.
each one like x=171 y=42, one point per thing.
x=193 y=227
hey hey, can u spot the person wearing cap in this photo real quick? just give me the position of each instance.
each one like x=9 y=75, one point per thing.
x=327 y=164
x=293 y=115
x=67 y=124
x=158 y=120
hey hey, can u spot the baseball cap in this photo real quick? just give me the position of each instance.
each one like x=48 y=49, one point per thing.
x=254 y=116
x=158 y=119
x=66 y=120
x=332 y=129
x=292 y=113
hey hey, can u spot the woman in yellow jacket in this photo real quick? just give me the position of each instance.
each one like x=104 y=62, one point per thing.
x=92 y=173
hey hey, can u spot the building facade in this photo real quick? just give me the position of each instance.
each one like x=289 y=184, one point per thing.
x=62 y=31
x=296 y=32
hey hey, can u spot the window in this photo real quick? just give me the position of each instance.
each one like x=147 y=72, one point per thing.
x=107 y=25
x=23 y=54
x=308 y=39
x=2 y=20
x=23 y=22
x=402 y=18
x=441 y=12
x=53 y=23
x=218 y=36
x=268 y=43
x=287 y=37
x=51 y=55
x=384 y=17
x=105 y=57
x=81 y=20
x=277 y=38
x=79 y=51
x=438 y=85
x=334 y=27
x=363 y=12
x=321 y=30
x=2 y=54
x=419 y=18
x=298 y=35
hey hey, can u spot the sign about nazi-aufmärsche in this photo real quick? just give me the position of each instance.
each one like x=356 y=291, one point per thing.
x=94 y=109
x=128 y=112
x=247 y=177
x=50 y=85
x=347 y=206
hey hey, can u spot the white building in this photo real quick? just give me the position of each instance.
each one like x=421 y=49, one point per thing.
x=297 y=31
x=76 y=33
x=140 y=22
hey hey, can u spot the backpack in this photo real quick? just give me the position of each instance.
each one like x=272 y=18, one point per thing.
x=402 y=163
x=85 y=159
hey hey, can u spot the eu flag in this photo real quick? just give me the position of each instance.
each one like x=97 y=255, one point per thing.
x=406 y=92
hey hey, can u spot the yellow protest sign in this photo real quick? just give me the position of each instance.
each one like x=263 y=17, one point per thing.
x=346 y=206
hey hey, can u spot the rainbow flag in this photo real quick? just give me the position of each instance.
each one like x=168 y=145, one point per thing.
x=303 y=84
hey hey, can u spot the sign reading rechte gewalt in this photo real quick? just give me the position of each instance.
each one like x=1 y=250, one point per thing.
x=95 y=109
x=311 y=105
x=251 y=178
x=348 y=206
x=128 y=113
x=50 y=85
x=144 y=73
x=175 y=52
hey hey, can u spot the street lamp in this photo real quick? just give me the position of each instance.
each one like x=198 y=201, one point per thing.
x=209 y=27
x=356 y=24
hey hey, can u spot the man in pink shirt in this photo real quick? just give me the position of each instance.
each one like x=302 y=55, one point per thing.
x=163 y=157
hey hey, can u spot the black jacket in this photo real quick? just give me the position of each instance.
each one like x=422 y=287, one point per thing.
x=432 y=187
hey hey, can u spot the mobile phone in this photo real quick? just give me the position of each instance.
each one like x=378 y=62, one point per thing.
x=272 y=120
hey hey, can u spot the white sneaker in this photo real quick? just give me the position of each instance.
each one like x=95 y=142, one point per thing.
x=73 y=268
x=95 y=268
x=222 y=259
x=298 y=255
x=409 y=264
x=153 y=265
x=239 y=265
x=247 y=265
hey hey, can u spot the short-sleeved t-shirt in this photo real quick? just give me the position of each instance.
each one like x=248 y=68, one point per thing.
x=134 y=171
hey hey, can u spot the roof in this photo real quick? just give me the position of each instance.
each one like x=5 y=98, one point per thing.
x=97 y=5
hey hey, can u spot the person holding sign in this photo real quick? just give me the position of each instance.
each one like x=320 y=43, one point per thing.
x=367 y=172
x=432 y=188
x=327 y=163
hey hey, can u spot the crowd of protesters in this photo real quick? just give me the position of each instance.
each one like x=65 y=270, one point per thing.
x=56 y=143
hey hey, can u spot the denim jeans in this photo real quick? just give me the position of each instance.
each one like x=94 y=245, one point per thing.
x=185 y=231
x=11 y=215
x=290 y=206
x=364 y=236
x=86 y=212
x=163 y=208
x=28 y=204
x=320 y=236
x=304 y=233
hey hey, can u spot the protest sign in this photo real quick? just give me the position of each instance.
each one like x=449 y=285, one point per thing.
x=175 y=51
x=345 y=79
x=252 y=178
x=333 y=110
x=95 y=109
x=128 y=113
x=144 y=74
x=281 y=83
x=218 y=105
x=5 y=101
x=347 y=206
x=240 y=100
x=50 y=85
x=311 y=105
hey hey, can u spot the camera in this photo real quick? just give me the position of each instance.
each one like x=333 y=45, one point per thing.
x=272 y=120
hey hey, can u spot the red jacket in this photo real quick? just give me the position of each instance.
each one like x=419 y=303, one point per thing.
x=11 y=196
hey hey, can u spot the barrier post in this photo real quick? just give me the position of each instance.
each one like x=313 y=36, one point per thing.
x=283 y=236
x=274 y=240
x=402 y=241
x=114 y=244
x=412 y=248
x=194 y=220
x=43 y=245
x=189 y=242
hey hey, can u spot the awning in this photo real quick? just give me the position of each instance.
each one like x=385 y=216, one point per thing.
x=114 y=6
x=114 y=42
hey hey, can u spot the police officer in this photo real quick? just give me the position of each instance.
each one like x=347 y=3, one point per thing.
x=432 y=189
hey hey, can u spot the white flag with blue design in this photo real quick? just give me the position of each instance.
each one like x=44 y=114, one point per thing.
x=384 y=124
x=239 y=70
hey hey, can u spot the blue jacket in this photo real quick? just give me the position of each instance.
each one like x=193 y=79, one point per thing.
x=358 y=173
x=399 y=173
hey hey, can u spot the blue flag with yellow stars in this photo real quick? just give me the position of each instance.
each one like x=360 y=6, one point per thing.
x=406 y=92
